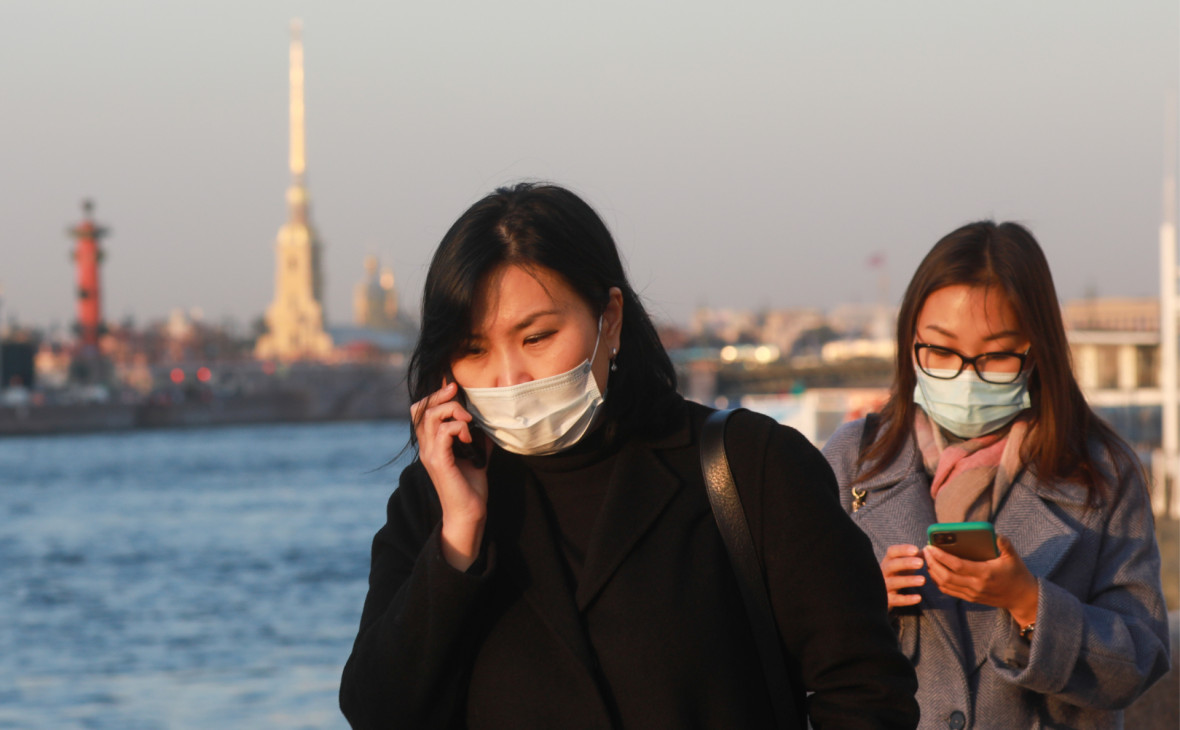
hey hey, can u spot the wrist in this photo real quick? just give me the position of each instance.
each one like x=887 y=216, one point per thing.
x=1024 y=611
x=461 y=543
x=1026 y=631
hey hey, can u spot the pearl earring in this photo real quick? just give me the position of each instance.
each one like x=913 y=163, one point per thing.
x=614 y=366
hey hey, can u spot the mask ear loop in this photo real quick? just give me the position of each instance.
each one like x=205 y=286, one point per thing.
x=597 y=340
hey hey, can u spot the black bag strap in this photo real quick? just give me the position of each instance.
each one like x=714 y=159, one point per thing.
x=731 y=522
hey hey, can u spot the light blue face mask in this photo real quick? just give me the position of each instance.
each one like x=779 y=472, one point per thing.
x=967 y=406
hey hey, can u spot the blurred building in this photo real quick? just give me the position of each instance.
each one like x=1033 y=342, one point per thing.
x=838 y=351
x=374 y=299
x=295 y=319
x=725 y=326
x=1112 y=313
x=1118 y=362
x=16 y=364
x=783 y=328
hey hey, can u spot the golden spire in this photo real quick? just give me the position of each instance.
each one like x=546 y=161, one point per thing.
x=297 y=193
x=298 y=161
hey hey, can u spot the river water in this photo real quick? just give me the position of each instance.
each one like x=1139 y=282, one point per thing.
x=207 y=578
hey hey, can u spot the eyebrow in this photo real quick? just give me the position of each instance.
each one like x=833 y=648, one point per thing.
x=989 y=338
x=523 y=324
x=529 y=320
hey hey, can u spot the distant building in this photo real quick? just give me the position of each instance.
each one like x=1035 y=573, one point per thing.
x=728 y=326
x=838 y=351
x=16 y=364
x=870 y=321
x=88 y=255
x=380 y=332
x=1115 y=345
x=295 y=320
x=1109 y=313
x=783 y=327
x=374 y=299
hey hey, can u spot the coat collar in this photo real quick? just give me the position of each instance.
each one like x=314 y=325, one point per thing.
x=639 y=490
x=897 y=512
x=529 y=554
x=899 y=509
x=1030 y=519
x=640 y=487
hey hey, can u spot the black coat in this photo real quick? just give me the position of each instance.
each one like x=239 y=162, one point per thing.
x=656 y=635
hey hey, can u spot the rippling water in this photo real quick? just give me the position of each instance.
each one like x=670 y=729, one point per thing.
x=186 y=579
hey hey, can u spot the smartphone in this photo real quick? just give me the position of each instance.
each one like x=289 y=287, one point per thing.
x=476 y=452
x=967 y=540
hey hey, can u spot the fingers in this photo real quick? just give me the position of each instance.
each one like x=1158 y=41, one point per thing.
x=894 y=585
x=970 y=580
x=439 y=421
x=455 y=430
x=942 y=566
x=439 y=397
x=901 y=600
x=1007 y=549
x=438 y=408
x=444 y=393
x=1004 y=582
x=898 y=568
x=942 y=557
x=901 y=559
x=901 y=551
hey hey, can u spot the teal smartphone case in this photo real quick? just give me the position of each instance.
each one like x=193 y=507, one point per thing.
x=967 y=540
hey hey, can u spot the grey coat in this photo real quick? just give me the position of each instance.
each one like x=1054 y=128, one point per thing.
x=1101 y=633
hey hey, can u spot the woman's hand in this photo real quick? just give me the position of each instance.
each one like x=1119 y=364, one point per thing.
x=1004 y=582
x=462 y=488
x=898 y=567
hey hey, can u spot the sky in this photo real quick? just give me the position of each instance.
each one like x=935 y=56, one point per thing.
x=745 y=155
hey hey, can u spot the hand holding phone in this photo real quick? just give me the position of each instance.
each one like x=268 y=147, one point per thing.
x=983 y=568
x=476 y=452
x=966 y=540
x=440 y=420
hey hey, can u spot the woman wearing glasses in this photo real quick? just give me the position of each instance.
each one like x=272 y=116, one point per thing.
x=985 y=423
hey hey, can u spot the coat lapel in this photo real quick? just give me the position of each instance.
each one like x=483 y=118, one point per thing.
x=639 y=490
x=897 y=511
x=532 y=559
x=1039 y=536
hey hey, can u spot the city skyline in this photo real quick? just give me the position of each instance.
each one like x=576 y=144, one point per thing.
x=744 y=158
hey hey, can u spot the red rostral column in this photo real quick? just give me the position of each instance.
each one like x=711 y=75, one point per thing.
x=87 y=257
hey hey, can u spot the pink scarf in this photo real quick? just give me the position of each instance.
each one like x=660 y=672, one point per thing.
x=969 y=479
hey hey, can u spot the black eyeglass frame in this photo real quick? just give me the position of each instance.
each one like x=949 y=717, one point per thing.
x=964 y=361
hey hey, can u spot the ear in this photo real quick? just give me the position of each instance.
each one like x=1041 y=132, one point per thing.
x=612 y=318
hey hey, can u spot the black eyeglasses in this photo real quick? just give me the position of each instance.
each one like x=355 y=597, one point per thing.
x=998 y=368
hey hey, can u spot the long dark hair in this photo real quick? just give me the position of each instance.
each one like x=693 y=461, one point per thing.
x=1006 y=256
x=538 y=225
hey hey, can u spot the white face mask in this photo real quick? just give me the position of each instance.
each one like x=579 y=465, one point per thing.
x=541 y=416
x=967 y=406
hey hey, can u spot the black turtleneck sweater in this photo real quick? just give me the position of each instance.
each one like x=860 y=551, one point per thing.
x=573 y=484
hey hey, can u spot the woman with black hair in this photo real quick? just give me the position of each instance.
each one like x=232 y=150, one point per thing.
x=1066 y=625
x=550 y=559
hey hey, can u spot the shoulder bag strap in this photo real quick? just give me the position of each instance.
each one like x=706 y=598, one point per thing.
x=731 y=521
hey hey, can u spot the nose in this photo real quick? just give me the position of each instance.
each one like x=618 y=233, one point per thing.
x=512 y=370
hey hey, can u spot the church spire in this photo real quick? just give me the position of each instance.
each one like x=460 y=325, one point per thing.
x=297 y=194
x=295 y=319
